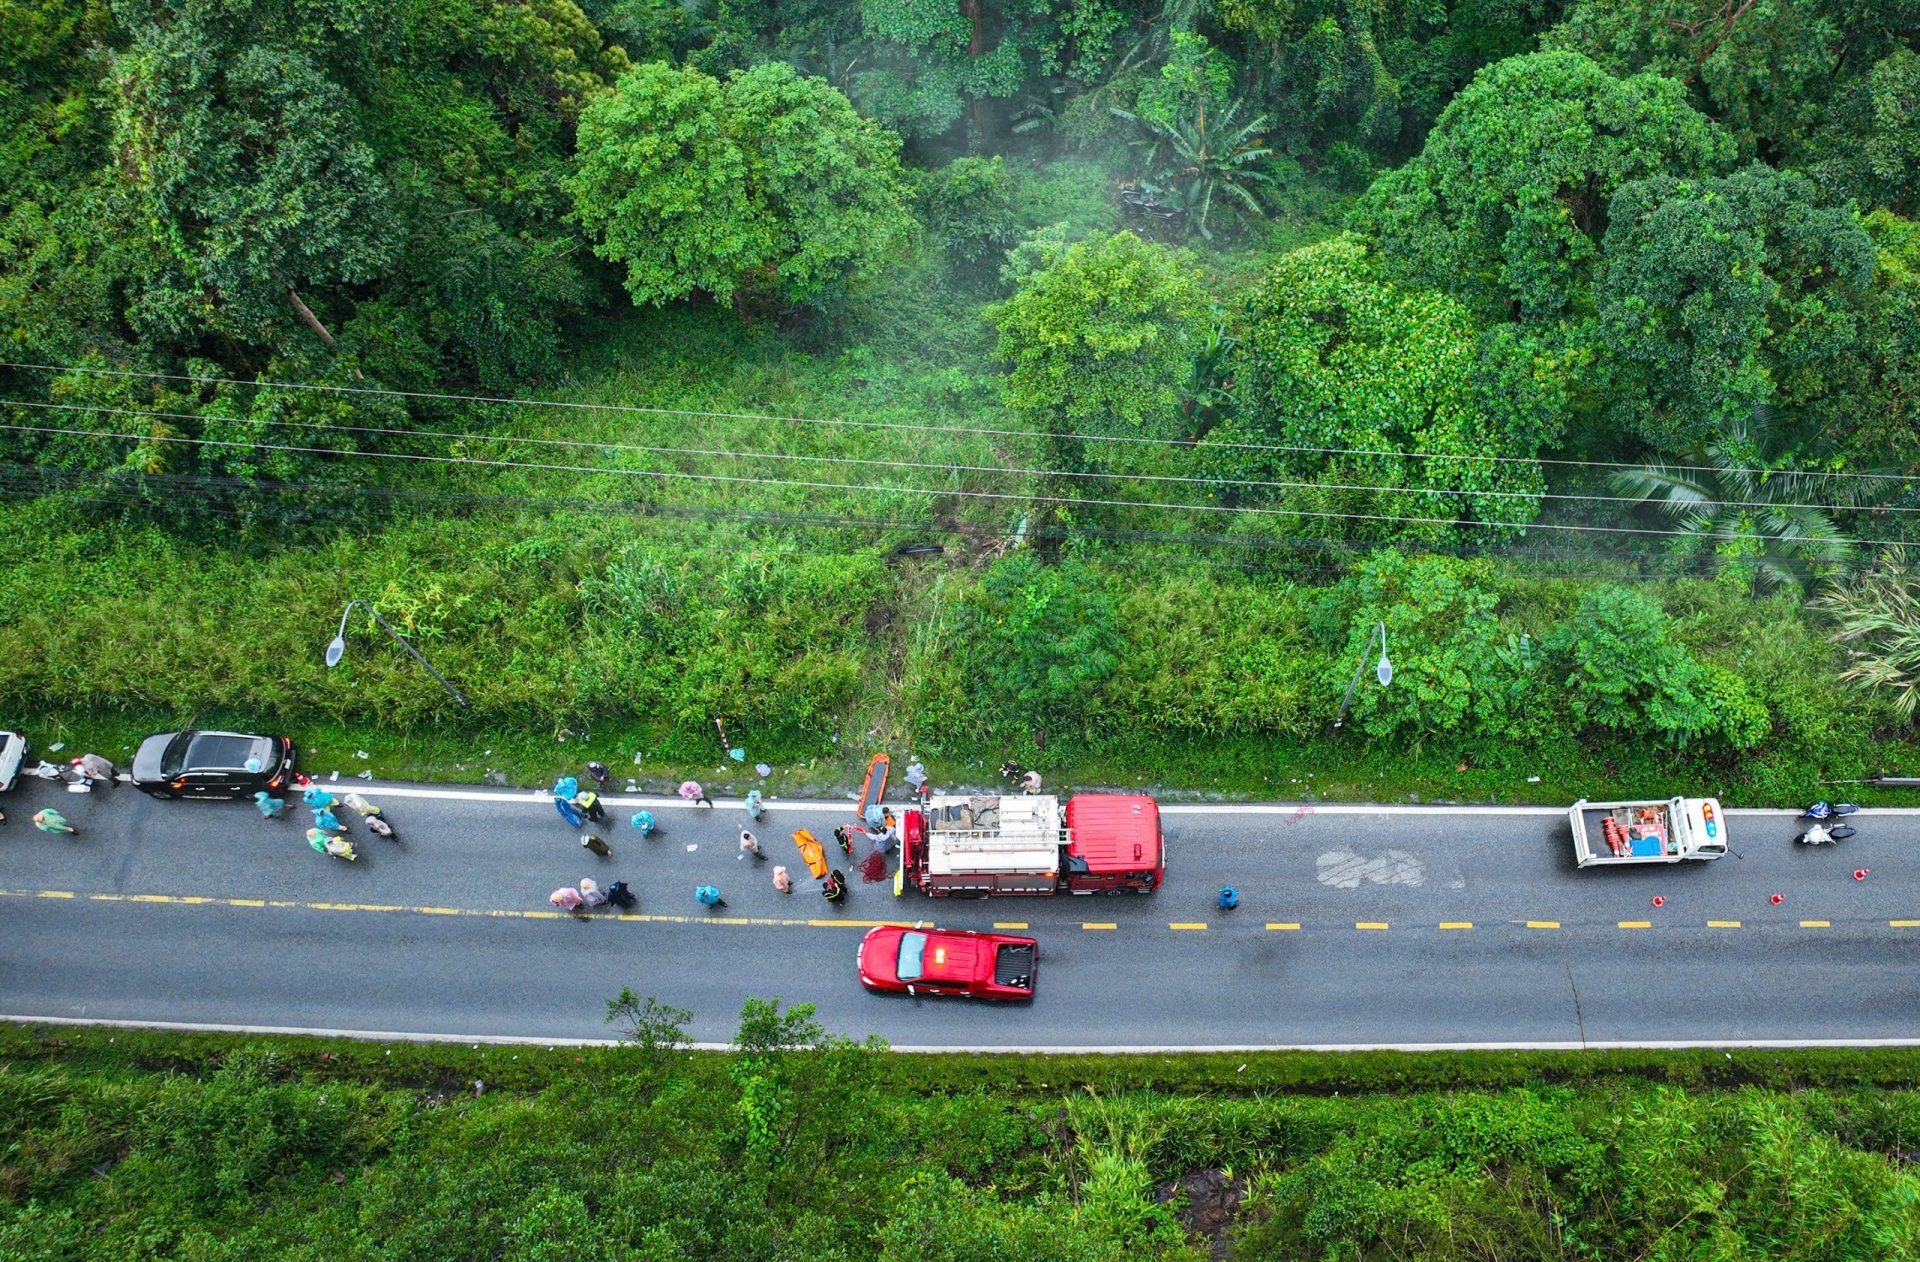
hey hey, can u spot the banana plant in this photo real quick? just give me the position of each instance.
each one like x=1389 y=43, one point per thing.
x=1201 y=162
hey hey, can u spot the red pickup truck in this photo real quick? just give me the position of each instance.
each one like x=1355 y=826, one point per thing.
x=927 y=961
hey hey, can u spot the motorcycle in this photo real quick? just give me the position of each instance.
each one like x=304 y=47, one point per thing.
x=1822 y=833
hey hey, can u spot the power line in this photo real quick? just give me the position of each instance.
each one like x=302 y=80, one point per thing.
x=1001 y=470
x=1136 y=439
x=653 y=508
x=678 y=475
x=129 y=498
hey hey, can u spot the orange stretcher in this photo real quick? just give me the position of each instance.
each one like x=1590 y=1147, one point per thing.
x=811 y=851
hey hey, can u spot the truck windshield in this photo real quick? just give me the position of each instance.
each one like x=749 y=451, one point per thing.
x=913 y=948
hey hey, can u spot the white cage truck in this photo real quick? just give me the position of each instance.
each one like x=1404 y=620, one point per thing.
x=1610 y=833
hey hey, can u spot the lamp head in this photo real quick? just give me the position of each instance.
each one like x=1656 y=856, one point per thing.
x=1384 y=671
x=336 y=650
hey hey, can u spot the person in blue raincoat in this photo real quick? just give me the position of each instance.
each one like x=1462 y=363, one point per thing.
x=326 y=821
x=568 y=811
x=643 y=820
x=318 y=798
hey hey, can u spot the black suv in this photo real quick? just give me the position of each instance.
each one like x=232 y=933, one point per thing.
x=212 y=764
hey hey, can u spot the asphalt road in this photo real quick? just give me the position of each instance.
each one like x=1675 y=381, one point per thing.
x=1352 y=929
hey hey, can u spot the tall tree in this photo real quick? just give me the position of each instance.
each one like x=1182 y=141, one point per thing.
x=765 y=187
x=1337 y=360
x=1506 y=205
x=1718 y=296
x=237 y=125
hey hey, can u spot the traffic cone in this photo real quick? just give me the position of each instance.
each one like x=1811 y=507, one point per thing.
x=1777 y=899
x=1859 y=874
x=1659 y=900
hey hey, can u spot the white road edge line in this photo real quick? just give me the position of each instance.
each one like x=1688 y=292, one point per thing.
x=519 y=1040
x=540 y=797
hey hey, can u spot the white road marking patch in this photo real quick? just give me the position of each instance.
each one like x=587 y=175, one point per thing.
x=1344 y=870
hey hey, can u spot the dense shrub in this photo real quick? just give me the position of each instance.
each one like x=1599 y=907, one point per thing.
x=240 y=1152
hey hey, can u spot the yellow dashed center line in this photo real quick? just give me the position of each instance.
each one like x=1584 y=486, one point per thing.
x=195 y=900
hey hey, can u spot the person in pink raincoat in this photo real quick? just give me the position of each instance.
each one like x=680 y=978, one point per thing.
x=566 y=898
x=692 y=792
x=781 y=881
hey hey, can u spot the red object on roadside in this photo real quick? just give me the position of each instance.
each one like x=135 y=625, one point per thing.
x=1777 y=899
x=1659 y=900
x=1859 y=874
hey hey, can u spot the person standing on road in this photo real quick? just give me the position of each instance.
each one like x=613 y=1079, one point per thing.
x=591 y=894
x=692 y=792
x=319 y=799
x=95 y=768
x=566 y=898
x=781 y=880
x=834 y=888
x=643 y=820
x=598 y=845
x=708 y=896
x=270 y=806
x=568 y=811
x=1229 y=898
x=750 y=845
x=52 y=821
x=327 y=822
x=588 y=803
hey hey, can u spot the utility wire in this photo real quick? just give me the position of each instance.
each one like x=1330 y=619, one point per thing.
x=647 y=509
x=677 y=475
x=937 y=429
x=546 y=503
x=1003 y=470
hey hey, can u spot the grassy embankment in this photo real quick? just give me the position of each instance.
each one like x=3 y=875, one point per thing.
x=628 y=626
x=129 y=1145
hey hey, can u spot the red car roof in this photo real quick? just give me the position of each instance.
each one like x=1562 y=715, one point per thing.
x=1114 y=832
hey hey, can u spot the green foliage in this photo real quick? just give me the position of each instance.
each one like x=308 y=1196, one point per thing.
x=657 y=1028
x=1040 y=640
x=1506 y=205
x=118 y=1152
x=1786 y=77
x=968 y=207
x=1870 y=147
x=1878 y=617
x=1096 y=336
x=1439 y=618
x=1335 y=357
x=1721 y=295
x=1624 y=670
x=1739 y=499
x=766 y=184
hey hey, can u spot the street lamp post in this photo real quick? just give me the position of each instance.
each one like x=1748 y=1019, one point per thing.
x=338 y=649
x=1383 y=672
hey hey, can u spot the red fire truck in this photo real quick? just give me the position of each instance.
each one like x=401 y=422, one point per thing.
x=978 y=847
